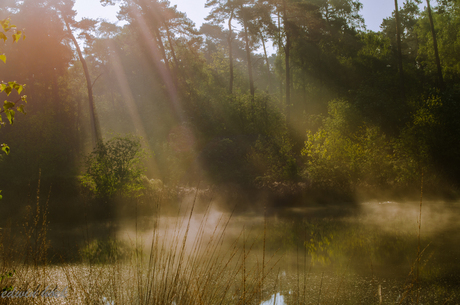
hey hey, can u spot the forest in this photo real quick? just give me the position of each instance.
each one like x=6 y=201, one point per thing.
x=311 y=131
x=335 y=108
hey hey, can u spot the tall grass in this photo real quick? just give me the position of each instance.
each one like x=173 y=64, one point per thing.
x=178 y=262
x=198 y=259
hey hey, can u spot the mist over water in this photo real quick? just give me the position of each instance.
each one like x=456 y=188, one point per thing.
x=310 y=254
x=392 y=223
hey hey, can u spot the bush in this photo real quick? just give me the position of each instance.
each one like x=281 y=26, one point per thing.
x=346 y=153
x=114 y=166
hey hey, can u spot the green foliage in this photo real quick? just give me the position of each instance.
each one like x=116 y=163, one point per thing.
x=114 y=167
x=417 y=141
x=446 y=19
x=5 y=148
x=249 y=142
x=331 y=241
x=420 y=132
x=9 y=87
x=346 y=153
x=105 y=251
x=225 y=160
x=380 y=137
x=273 y=159
x=6 y=276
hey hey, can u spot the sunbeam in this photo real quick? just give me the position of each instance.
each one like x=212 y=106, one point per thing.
x=149 y=39
x=128 y=100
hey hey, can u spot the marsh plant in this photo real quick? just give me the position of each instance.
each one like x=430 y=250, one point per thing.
x=202 y=256
x=105 y=251
x=195 y=259
x=184 y=261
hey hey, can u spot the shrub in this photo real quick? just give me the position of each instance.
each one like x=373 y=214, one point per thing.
x=346 y=153
x=114 y=166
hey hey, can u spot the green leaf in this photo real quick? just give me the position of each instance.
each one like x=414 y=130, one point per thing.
x=6 y=149
x=3 y=58
x=0 y=195
x=24 y=98
x=8 y=89
x=21 y=109
x=3 y=87
x=7 y=105
x=10 y=115
x=18 y=87
x=3 y=36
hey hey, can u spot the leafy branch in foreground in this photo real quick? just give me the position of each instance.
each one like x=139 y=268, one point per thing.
x=10 y=86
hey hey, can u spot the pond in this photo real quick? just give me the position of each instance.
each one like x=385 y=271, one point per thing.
x=374 y=254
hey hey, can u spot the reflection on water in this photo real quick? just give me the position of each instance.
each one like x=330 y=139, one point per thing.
x=310 y=255
x=369 y=255
x=106 y=301
x=276 y=299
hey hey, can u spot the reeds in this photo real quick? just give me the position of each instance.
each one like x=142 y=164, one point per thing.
x=187 y=261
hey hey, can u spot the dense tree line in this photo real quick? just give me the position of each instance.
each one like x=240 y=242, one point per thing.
x=337 y=107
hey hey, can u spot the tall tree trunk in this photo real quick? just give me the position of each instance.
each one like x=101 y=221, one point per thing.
x=230 y=51
x=287 y=49
x=171 y=46
x=266 y=62
x=304 y=81
x=248 y=55
x=56 y=100
x=95 y=128
x=280 y=45
x=173 y=54
x=435 y=45
x=162 y=49
x=78 y=145
x=398 y=37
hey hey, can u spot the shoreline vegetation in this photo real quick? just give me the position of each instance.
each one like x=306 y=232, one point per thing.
x=200 y=253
